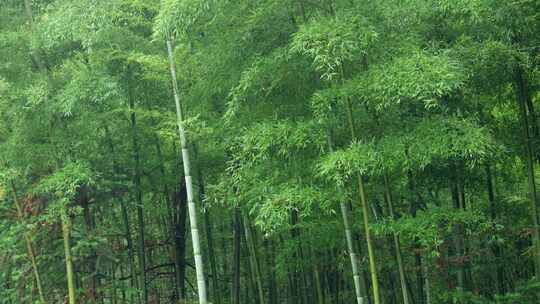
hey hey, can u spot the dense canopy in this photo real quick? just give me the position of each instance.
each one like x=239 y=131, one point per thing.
x=269 y=151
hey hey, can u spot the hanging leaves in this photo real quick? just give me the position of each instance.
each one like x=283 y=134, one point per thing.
x=419 y=77
x=332 y=42
x=177 y=16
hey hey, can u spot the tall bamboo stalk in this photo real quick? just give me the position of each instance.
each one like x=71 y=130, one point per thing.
x=169 y=221
x=270 y=259
x=360 y=299
x=363 y=199
x=66 y=235
x=29 y=244
x=254 y=259
x=499 y=278
x=138 y=194
x=209 y=238
x=397 y=245
x=199 y=268
x=180 y=220
x=237 y=239
x=125 y=218
x=316 y=274
x=345 y=214
x=522 y=96
x=365 y=214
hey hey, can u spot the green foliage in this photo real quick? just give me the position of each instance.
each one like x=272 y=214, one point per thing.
x=333 y=42
x=63 y=186
x=88 y=125
x=463 y=9
x=85 y=22
x=431 y=228
x=87 y=86
x=260 y=80
x=282 y=139
x=417 y=77
x=275 y=207
x=176 y=17
x=449 y=139
x=526 y=292
x=358 y=158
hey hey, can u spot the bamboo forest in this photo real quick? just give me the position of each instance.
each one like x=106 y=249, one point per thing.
x=269 y=151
